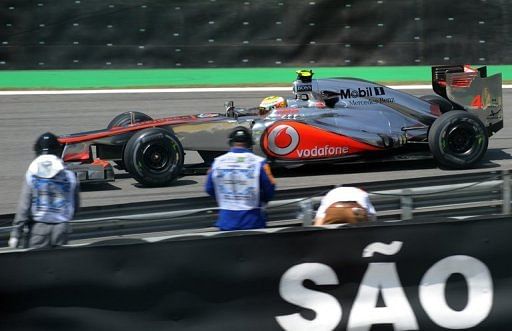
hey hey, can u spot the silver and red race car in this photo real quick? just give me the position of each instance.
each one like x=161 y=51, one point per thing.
x=327 y=120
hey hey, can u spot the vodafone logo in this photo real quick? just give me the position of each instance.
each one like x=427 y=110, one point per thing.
x=283 y=139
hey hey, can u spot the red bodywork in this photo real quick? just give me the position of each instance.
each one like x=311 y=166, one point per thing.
x=291 y=140
x=77 y=145
x=174 y=120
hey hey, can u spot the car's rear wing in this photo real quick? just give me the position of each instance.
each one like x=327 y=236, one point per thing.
x=470 y=89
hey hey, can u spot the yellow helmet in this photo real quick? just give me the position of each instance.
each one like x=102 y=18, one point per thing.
x=272 y=102
x=304 y=75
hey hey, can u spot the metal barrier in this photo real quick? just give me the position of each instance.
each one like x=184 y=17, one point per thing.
x=467 y=195
x=461 y=200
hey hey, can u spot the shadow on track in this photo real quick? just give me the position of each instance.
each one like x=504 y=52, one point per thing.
x=391 y=166
x=497 y=154
x=177 y=183
x=92 y=187
x=352 y=168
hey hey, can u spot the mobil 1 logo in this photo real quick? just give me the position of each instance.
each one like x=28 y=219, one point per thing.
x=364 y=92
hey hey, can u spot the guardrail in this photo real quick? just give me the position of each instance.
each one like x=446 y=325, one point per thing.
x=464 y=195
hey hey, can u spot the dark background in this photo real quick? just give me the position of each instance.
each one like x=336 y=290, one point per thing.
x=56 y=34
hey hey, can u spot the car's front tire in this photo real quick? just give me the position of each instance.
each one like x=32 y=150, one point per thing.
x=125 y=119
x=154 y=157
x=458 y=139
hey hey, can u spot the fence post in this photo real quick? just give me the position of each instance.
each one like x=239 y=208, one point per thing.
x=406 y=204
x=306 y=207
x=506 y=192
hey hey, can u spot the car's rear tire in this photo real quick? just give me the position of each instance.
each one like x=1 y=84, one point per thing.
x=444 y=105
x=458 y=139
x=154 y=157
x=123 y=120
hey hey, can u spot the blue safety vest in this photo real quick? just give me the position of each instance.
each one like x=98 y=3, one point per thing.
x=53 y=198
x=241 y=188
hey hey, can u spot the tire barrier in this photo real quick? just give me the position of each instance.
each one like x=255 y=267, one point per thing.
x=430 y=275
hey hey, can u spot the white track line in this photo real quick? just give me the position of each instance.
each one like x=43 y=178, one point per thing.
x=191 y=90
x=151 y=90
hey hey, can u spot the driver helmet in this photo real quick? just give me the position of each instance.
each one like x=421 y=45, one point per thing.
x=270 y=103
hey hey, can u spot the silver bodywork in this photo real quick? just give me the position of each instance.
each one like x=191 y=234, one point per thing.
x=366 y=112
x=366 y=118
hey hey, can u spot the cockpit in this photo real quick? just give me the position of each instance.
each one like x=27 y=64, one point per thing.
x=305 y=93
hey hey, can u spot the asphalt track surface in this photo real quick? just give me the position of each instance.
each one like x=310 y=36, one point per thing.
x=24 y=117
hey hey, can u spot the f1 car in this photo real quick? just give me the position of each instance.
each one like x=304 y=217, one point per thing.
x=327 y=120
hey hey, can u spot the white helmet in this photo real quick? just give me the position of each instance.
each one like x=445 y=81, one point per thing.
x=270 y=103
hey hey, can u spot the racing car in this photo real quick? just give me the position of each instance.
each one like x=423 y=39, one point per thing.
x=326 y=120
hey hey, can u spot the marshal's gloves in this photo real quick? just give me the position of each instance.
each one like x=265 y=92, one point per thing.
x=13 y=242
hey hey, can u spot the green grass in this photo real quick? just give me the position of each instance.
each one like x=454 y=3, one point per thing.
x=146 y=78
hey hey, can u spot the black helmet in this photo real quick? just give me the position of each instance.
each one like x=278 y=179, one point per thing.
x=47 y=143
x=241 y=135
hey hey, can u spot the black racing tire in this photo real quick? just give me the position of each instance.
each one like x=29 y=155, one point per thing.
x=444 y=105
x=458 y=139
x=154 y=157
x=125 y=119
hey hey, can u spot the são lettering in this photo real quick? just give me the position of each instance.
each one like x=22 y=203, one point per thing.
x=382 y=279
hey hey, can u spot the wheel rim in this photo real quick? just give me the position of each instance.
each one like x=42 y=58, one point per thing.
x=461 y=139
x=156 y=157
